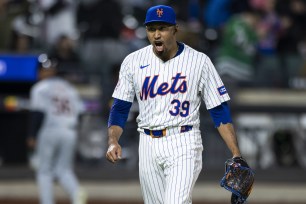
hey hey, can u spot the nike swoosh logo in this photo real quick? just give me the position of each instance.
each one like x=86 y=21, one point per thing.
x=144 y=66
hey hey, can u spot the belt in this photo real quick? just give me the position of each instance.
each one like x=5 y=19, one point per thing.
x=167 y=131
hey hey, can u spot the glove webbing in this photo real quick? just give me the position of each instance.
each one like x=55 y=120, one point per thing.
x=237 y=179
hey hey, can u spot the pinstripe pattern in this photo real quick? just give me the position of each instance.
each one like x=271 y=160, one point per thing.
x=169 y=95
x=201 y=78
x=169 y=167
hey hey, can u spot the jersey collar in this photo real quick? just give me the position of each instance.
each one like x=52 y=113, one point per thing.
x=180 y=48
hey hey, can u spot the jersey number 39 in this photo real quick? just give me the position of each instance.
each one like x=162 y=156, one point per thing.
x=180 y=108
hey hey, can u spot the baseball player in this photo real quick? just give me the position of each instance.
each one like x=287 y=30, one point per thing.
x=55 y=108
x=169 y=80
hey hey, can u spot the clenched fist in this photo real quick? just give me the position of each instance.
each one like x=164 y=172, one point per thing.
x=113 y=153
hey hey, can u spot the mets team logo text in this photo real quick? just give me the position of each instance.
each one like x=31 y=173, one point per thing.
x=179 y=84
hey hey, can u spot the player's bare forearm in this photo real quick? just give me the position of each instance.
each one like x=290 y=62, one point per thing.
x=228 y=134
x=114 y=133
x=114 y=149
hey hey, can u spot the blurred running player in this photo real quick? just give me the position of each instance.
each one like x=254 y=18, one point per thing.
x=55 y=110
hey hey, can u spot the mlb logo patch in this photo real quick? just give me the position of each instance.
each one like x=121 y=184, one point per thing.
x=222 y=90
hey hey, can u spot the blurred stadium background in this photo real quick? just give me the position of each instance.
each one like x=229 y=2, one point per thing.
x=90 y=38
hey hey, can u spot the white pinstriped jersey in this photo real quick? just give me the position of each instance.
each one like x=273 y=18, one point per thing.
x=169 y=93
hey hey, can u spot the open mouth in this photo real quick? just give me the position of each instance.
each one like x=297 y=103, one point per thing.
x=159 y=46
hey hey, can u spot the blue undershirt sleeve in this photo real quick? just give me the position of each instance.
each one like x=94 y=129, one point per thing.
x=221 y=114
x=119 y=113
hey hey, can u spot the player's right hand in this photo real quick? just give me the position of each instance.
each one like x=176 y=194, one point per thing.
x=113 y=153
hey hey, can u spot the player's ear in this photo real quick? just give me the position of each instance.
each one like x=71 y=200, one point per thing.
x=175 y=29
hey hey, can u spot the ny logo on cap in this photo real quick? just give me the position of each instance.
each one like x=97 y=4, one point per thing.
x=159 y=12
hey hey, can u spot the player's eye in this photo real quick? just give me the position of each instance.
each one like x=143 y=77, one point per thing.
x=151 y=29
x=159 y=28
x=162 y=28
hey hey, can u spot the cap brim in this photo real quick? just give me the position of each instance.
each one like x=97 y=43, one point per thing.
x=156 y=21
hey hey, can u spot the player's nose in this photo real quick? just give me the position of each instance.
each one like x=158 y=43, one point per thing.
x=157 y=34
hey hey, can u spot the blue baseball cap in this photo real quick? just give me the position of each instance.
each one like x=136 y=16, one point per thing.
x=161 y=13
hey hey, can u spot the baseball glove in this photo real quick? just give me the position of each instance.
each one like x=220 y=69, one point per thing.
x=238 y=179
